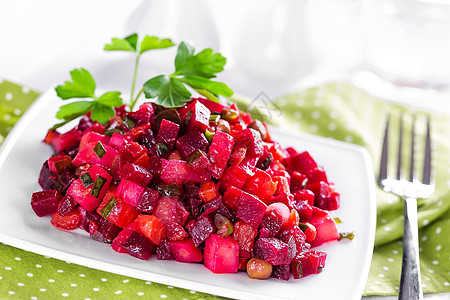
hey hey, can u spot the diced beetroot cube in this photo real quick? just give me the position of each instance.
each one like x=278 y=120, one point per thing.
x=155 y=165
x=298 y=181
x=130 y=192
x=93 y=137
x=325 y=226
x=135 y=173
x=213 y=107
x=290 y=241
x=301 y=162
x=193 y=205
x=117 y=211
x=163 y=251
x=50 y=135
x=122 y=237
x=89 y=197
x=68 y=222
x=167 y=133
x=245 y=235
x=198 y=161
x=104 y=157
x=84 y=222
x=138 y=246
x=102 y=230
x=150 y=227
x=66 y=140
x=305 y=195
x=217 y=206
x=235 y=176
x=148 y=201
x=232 y=197
x=316 y=175
x=221 y=254
x=185 y=251
x=45 y=177
x=133 y=151
x=291 y=151
x=307 y=263
x=272 y=250
x=277 y=151
x=304 y=210
x=282 y=185
x=238 y=154
x=271 y=223
x=250 y=210
x=118 y=141
x=200 y=230
x=297 y=233
x=63 y=180
x=199 y=117
x=252 y=140
x=282 y=272
x=219 y=153
x=58 y=163
x=177 y=171
x=67 y=204
x=324 y=197
x=143 y=115
x=45 y=202
x=248 y=164
x=261 y=185
x=170 y=211
x=176 y=232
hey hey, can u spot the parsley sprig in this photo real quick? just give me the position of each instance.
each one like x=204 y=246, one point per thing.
x=83 y=86
x=192 y=70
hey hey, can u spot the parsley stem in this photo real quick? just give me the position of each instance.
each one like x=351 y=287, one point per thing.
x=136 y=99
x=132 y=103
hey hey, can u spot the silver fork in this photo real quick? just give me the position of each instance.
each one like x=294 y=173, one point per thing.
x=410 y=189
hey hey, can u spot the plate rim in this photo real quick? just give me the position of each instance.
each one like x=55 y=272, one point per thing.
x=50 y=95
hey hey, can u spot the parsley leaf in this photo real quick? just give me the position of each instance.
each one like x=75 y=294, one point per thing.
x=169 y=91
x=128 y=43
x=81 y=86
x=193 y=70
x=152 y=42
x=111 y=99
x=78 y=108
x=214 y=87
x=205 y=63
x=101 y=113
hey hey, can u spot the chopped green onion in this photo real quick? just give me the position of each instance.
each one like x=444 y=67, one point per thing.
x=98 y=184
x=108 y=208
x=214 y=118
x=99 y=150
x=161 y=149
x=129 y=122
x=209 y=135
x=229 y=114
x=111 y=131
x=168 y=190
x=303 y=226
x=337 y=220
x=86 y=180
x=346 y=235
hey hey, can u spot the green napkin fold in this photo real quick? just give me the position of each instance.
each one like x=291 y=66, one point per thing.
x=335 y=110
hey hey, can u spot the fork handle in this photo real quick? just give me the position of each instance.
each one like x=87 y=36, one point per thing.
x=410 y=282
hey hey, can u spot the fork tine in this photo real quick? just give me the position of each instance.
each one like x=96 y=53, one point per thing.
x=411 y=159
x=426 y=178
x=400 y=150
x=384 y=153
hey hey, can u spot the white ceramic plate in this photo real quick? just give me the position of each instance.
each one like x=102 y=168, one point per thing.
x=347 y=265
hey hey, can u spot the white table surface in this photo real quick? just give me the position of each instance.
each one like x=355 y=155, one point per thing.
x=43 y=40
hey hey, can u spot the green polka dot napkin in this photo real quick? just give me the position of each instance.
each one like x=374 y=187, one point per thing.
x=335 y=110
